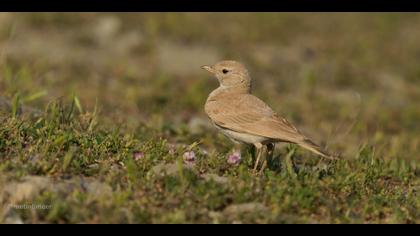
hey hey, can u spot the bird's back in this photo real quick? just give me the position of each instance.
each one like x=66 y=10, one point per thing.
x=249 y=114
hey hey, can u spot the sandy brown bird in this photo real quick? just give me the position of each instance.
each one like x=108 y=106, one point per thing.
x=245 y=118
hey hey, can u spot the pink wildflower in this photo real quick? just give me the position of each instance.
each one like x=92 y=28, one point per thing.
x=234 y=158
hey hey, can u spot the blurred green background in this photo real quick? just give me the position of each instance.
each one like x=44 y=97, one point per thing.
x=351 y=81
x=344 y=79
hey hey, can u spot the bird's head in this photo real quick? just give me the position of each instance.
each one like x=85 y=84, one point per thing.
x=230 y=74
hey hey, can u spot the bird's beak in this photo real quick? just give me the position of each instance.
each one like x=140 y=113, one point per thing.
x=208 y=68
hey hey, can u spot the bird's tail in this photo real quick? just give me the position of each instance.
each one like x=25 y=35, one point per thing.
x=311 y=146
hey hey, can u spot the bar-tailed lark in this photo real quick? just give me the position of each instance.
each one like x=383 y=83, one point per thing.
x=244 y=118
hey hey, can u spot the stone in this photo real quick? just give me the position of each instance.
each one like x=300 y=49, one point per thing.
x=245 y=208
x=216 y=178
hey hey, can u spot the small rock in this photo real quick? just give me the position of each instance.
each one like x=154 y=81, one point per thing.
x=28 y=188
x=245 y=208
x=93 y=166
x=215 y=216
x=168 y=169
x=11 y=217
x=216 y=178
x=98 y=189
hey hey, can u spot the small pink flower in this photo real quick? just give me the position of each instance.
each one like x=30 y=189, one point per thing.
x=189 y=157
x=234 y=158
x=138 y=155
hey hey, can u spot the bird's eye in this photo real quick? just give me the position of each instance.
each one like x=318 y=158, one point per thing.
x=225 y=71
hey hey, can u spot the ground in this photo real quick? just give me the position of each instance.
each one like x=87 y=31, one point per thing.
x=102 y=118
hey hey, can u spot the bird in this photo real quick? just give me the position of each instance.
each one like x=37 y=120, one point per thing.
x=244 y=118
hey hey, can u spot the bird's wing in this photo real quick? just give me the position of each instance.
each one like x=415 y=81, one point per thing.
x=248 y=114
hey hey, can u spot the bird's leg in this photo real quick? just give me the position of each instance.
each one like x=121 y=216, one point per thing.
x=270 y=151
x=258 y=147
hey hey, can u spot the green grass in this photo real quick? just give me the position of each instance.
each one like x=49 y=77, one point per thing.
x=97 y=110
x=69 y=149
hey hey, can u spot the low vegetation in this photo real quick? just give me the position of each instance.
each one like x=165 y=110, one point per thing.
x=101 y=118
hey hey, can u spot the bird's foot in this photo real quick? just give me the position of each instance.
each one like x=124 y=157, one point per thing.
x=263 y=167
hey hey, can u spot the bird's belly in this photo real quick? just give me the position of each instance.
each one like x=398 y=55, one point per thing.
x=243 y=137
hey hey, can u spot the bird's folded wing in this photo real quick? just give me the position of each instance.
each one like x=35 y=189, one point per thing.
x=248 y=114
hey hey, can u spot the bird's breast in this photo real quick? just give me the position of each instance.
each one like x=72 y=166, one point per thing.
x=242 y=137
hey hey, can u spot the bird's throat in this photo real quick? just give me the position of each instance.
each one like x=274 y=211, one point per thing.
x=242 y=89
